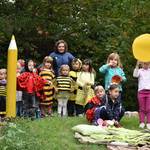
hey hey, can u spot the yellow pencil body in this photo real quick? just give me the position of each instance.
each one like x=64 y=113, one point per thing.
x=11 y=79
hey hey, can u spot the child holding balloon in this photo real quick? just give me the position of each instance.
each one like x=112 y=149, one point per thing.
x=143 y=75
x=113 y=71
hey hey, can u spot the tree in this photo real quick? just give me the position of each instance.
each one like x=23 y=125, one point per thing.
x=92 y=27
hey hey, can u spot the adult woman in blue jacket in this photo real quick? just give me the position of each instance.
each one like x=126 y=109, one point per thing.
x=61 y=56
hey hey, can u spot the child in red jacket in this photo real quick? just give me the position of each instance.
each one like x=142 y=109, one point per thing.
x=31 y=84
x=94 y=102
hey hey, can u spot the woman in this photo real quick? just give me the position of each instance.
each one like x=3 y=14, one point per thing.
x=61 y=56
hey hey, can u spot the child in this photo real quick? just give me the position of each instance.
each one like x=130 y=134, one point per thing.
x=113 y=70
x=61 y=55
x=31 y=84
x=76 y=66
x=111 y=108
x=19 y=102
x=85 y=82
x=47 y=73
x=143 y=76
x=63 y=86
x=94 y=102
x=2 y=92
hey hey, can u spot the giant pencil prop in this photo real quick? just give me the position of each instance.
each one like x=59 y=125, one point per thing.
x=11 y=79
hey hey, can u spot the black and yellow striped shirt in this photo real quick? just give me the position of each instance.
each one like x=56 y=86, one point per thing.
x=47 y=74
x=73 y=75
x=2 y=90
x=64 y=83
x=48 y=89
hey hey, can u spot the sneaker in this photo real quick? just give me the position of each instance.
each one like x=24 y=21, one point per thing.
x=142 y=125
x=148 y=126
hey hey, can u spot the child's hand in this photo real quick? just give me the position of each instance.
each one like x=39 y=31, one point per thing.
x=113 y=120
x=49 y=82
x=116 y=123
x=72 y=90
x=138 y=64
x=121 y=79
x=56 y=90
x=87 y=84
x=110 y=64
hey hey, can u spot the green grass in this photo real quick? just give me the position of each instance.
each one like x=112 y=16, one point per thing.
x=49 y=134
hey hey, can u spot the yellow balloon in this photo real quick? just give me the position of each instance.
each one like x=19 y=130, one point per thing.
x=141 y=48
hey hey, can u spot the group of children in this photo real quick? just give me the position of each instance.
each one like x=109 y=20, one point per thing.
x=71 y=82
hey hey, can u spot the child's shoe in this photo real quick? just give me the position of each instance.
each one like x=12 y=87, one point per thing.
x=142 y=125
x=148 y=126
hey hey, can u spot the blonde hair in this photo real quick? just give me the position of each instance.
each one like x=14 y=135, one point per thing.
x=99 y=88
x=21 y=62
x=3 y=70
x=48 y=59
x=114 y=56
x=64 y=67
x=77 y=60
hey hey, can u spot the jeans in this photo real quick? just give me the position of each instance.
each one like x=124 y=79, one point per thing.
x=2 y=104
x=144 y=105
x=30 y=105
x=79 y=109
x=71 y=108
x=19 y=108
x=101 y=113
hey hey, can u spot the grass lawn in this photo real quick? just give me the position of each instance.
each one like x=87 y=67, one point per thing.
x=49 y=134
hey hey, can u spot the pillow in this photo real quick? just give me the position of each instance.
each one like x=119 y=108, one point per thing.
x=85 y=129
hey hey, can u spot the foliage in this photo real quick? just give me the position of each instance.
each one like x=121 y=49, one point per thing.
x=92 y=27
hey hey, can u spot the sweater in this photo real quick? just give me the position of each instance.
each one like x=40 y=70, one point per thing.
x=84 y=78
x=143 y=76
x=48 y=89
x=73 y=75
x=61 y=59
x=64 y=83
x=3 y=87
x=110 y=72
x=90 y=108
